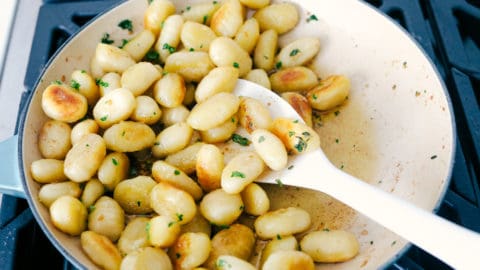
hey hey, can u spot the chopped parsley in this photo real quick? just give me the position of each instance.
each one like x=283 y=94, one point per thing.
x=241 y=207
x=106 y=39
x=179 y=216
x=278 y=65
x=312 y=18
x=114 y=161
x=261 y=139
x=301 y=144
x=215 y=2
x=126 y=25
x=58 y=82
x=191 y=49
x=433 y=157
x=279 y=182
x=336 y=113
x=139 y=203
x=337 y=140
x=169 y=48
x=326 y=230
x=233 y=119
x=205 y=19
x=75 y=85
x=147 y=227
x=178 y=255
x=102 y=83
x=237 y=174
x=295 y=121
x=124 y=42
x=104 y=118
x=294 y=52
x=176 y=172
x=291 y=133
x=152 y=56
x=236 y=65
x=240 y=140
x=393 y=243
x=83 y=71
x=170 y=224
x=306 y=133
x=188 y=8
x=123 y=133
x=314 y=96
x=222 y=263
x=279 y=237
x=91 y=208
x=290 y=167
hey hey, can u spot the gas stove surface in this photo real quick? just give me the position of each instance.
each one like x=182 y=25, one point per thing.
x=446 y=29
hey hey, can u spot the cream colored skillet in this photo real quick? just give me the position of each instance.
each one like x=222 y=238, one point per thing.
x=395 y=133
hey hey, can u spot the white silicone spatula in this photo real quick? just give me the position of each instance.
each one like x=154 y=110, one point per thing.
x=447 y=241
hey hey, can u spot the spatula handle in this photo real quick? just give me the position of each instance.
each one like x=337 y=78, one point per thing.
x=447 y=241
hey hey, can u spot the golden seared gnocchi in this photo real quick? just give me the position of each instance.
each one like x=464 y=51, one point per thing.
x=50 y=192
x=69 y=215
x=84 y=158
x=138 y=46
x=114 y=168
x=196 y=36
x=225 y=52
x=330 y=93
x=100 y=250
x=62 y=103
x=330 y=246
x=144 y=155
x=47 y=171
x=107 y=218
x=139 y=77
x=284 y=221
x=172 y=202
x=214 y=111
x=133 y=194
x=228 y=18
x=82 y=128
x=135 y=236
x=190 y=250
x=221 y=208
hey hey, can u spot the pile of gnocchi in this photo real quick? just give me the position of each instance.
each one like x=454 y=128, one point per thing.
x=137 y=156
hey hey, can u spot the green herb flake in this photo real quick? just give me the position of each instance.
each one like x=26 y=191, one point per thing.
x=91 y=208
x=215 y=2
x=104 y=118
x=290 y=167
x=124 y=42
x=337 y=140
x=279 y=237
x=170 y=224
x=176 y=172
x=83 y=71
x=433 y=157
x=291 y=133
x=371 y=242
x=336 y=113
x=312 y=17
x=393 y=243
x=75 y=85
x=87 y=145
x=205 y=19
x=58 y=82
x=279 y=182
x=237 y=174
x=191 y=49
x=342 y=166
x=152 y=56
x=106 y=39
x=314 y=96
x=188 y=8
x=261 y=139
x=220 y=264
x=114 y=161
x=139 y=203
x=232 y=119
x=169 y=48
x=295 y=121
x=241 y=207
x=236 y=65
x=306 y=133
x=240 y=139
x=278 y=65
x=156 y=143
x=147 y=227
x=179 y=216
x=326 y=230
x=126 y=25
x=301 y=144
x=294 y=52
x=178 y=255
x=101 y=83
x=123 y=133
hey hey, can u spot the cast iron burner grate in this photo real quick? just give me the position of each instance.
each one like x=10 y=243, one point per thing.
x=446 y=29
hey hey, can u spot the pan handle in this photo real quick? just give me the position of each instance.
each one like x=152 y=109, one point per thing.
x=10 y=182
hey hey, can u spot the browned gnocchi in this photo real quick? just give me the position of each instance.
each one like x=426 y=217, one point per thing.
x=137 y=156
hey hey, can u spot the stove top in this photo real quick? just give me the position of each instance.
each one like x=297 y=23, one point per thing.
x=446 y=29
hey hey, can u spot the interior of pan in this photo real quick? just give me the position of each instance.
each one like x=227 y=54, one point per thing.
x=395 y=132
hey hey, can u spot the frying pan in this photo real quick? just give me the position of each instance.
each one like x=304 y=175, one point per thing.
x=395 y=132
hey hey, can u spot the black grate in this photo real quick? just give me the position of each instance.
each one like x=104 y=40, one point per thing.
x=446 y=29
